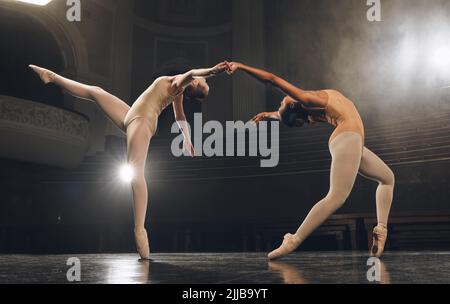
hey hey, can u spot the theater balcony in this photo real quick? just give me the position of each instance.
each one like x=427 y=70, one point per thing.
x=42 y=134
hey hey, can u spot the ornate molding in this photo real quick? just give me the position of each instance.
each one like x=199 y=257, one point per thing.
x=41 y=134
x=29 y=113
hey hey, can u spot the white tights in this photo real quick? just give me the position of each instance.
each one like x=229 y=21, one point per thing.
x=349 y=157
x=139 y=134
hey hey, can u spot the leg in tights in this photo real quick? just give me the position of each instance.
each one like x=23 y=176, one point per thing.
x=372 y=167
x=139 y=134
x=346 y=152
x=113 y=107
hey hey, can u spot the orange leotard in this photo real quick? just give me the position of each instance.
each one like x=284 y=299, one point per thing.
x=339 y=112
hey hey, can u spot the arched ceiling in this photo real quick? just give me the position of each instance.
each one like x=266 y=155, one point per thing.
x=24 y=42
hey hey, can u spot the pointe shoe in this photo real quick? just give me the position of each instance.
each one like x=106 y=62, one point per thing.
x=379 y=240
x=45 y=75
x=142 y=245
x=289 y=245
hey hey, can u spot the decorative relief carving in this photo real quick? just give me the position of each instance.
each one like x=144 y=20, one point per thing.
x=42 y=116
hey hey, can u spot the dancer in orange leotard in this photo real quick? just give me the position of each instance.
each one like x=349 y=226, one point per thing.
x=347 y=150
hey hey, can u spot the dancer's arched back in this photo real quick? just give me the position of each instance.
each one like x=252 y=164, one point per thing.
x=346 y=147
x=139 y=122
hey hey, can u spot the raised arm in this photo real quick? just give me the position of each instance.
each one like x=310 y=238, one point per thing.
x=180 y=82
x=180 y=117
x=307 y=98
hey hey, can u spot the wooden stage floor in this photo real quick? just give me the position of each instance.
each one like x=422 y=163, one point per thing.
x=231 y=268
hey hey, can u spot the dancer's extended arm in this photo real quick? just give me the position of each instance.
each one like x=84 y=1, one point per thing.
x=264 y=115
x=180 y=117
x=307 y=98
x=180 y=82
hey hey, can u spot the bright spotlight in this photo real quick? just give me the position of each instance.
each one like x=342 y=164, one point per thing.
x=440 y=57
x=36 y=2
x=126 y=173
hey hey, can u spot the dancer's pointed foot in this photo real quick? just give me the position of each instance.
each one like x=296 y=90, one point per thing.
x=290 y=243
x=142 y=245
x=379 y=240
x=46 y=76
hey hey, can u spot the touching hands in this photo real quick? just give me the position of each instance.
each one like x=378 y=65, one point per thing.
x=232 y=67
x=220 y=68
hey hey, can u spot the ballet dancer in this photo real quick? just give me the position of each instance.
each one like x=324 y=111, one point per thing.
x=139 y=123
x=346 y=145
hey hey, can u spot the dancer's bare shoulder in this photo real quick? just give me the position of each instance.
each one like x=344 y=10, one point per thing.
x=172 y=85
x=322 y=94
x=335 y=94
x=166 y=80
x=331 y=92
x=318 y=98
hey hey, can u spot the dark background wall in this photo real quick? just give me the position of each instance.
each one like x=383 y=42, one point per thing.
x=22 y=35
x=314 y=44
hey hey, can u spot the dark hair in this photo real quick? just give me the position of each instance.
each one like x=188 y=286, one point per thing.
x=294 y=116
x=194 y=94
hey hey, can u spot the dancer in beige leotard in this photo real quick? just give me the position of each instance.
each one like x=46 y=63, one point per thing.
x=347 y=150
x=139 y=123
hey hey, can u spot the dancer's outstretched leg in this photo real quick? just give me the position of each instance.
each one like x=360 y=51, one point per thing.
x=372 y=167
x=115 y=108
x=139 y=133
x=346 y=151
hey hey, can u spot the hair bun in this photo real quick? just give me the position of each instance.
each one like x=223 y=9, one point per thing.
x=289 y=119
x=294 y=117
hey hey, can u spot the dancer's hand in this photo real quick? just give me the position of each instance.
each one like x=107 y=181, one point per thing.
x=258 y=118
x=232 y=67
x=189 y=147
x=220 y=68
x=186 y=78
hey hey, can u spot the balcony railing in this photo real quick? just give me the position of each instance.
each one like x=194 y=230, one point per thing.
x=38 y=133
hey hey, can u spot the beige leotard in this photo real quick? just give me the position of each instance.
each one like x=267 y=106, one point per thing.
x=151 y=103
x=339 y=112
